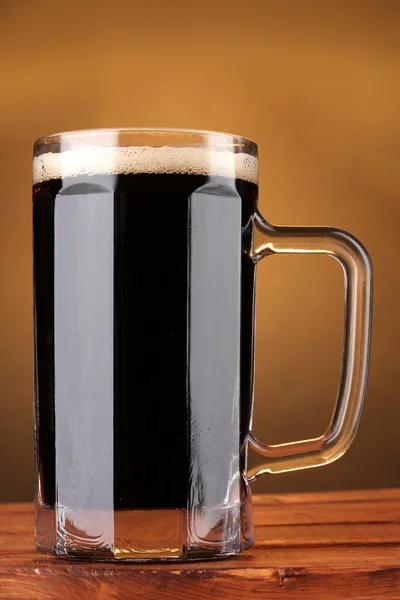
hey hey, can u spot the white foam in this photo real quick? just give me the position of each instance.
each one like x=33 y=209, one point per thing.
x=91 y=160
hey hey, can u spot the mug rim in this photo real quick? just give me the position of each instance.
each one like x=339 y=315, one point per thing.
x=79 y=133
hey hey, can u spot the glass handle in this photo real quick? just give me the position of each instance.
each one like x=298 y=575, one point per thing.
x=356 y=342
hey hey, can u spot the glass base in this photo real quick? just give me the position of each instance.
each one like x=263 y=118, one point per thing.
x=144 y=535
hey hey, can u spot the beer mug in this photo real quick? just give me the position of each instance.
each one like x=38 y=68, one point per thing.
x=146 y=243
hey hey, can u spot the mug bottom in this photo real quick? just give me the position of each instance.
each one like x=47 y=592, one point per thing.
x=144 y=535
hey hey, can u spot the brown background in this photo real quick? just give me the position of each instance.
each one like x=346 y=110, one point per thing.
x=316 y=84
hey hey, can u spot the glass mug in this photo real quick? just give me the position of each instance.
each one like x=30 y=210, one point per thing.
x=145 y=249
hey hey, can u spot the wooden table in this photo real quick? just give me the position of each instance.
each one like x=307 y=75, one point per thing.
x=333 y=545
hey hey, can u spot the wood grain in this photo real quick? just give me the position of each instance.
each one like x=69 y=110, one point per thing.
x=327 y=546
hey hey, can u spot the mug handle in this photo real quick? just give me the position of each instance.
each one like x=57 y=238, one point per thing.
x=357 y=268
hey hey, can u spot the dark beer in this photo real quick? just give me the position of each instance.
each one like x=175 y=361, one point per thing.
x=144 y=293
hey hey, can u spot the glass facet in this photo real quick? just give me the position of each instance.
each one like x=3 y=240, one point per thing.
x=144 y=294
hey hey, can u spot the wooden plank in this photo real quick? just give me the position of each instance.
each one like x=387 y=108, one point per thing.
x=373 y=556
x=101 y=582
x=337 y=512
x=16 y=507
x=329 y=535
x=391 y=494
x=374 y=572
x=325 y=546
x=268 y=536
x=269 y=514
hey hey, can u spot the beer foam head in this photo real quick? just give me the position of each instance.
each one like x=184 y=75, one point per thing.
x=101 y=160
